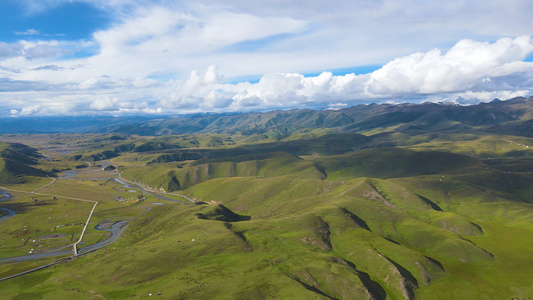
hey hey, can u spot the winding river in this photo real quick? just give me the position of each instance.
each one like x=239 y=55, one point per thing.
x=6 y=197
x=72 y=175
x=116 y=229
x=158 y=196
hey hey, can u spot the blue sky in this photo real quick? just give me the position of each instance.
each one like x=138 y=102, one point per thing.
x=71 y=21
x=120 y=57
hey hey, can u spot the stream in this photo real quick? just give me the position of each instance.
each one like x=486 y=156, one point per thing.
x=72 y=175
x=6 y=197
x=116 y=229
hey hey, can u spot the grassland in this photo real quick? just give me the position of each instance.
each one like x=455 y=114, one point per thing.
x=312 y=215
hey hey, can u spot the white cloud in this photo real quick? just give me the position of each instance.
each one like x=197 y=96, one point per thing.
x=468 y=73
x=26 y=53
x=245 y=38
x=28 y=32
x=143 y=61
x=26 y=111
x=143 y=82
x=87 y=84
x=104 y=104
x=10 y=50
x=465 y=66
x=469 y=70
x=42 y=51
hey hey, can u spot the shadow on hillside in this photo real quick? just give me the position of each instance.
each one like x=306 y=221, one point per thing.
x=23 y=207
x=221 y=213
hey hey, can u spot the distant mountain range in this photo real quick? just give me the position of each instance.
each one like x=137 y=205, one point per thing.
x=514 y=117
x=62 y=124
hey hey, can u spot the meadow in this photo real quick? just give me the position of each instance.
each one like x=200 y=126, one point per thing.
x=319 y=214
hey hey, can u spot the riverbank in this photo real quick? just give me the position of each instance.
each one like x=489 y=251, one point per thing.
x=5 y=197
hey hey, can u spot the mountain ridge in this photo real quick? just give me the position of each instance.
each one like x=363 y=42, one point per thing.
x=509 y=116
x=425 y=116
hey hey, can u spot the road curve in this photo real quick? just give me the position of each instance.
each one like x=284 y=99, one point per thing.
x=116 y=231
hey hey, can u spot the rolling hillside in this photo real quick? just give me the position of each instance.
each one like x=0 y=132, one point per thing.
x=426 y=201
x=376 y=224
x=16 y=163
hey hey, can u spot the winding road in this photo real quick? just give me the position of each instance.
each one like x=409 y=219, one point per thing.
x=117 y=229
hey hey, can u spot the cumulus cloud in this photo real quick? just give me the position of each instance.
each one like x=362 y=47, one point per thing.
x=478 y=71
x=104 y=104
x=467 y=73
x=142 y=62
x=114 y=105
x=467 y=64
x=198 y=91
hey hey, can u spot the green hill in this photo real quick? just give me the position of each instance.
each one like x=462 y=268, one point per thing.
x=289 y=237
x=16 y=163
x=396 y=162
x=428 y=201
x=377 y=163
x=171 y=177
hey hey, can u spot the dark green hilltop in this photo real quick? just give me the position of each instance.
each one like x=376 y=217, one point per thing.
x=16 y=162
x=380 y=201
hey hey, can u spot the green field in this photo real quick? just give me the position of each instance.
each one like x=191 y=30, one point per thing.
x=313 y=215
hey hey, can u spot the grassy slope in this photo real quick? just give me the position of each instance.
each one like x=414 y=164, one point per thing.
x=392 y=222
x=16 y=162
x=312 y=238
x=419 y=220
x=40 y=217
x=172 y=176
